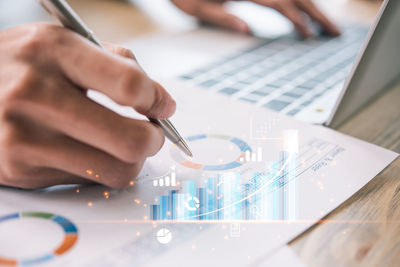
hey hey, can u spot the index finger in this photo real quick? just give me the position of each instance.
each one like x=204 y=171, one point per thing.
x=310 y=9
x=291 y=12
x=120 y=78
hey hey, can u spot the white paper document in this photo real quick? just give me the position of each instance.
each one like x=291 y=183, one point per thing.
x=257 y=180
x=283 y=257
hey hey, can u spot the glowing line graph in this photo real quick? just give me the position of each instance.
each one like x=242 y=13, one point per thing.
x=245 y=198
x=257 y=191
x=314 y=149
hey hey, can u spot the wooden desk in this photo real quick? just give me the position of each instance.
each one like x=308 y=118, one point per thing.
x=363 y=231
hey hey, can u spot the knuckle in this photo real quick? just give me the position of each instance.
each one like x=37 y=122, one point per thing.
x=11 y=148
x=11 y=143
x=276 y=4
x=7 y=111
x=38 y=37
x=136 y=146
x=158 y=100
x=124 y=174
x=134 y=150
x=130 y=82
x=21 y=87
x=147 y=134
x=12 y=174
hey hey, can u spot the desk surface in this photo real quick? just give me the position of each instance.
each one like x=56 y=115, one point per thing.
x=364 y=230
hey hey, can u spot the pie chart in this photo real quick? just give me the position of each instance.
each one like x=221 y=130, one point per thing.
x=192 y=203
x=164 y=236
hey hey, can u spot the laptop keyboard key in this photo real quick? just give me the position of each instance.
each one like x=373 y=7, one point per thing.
x=267 y=89
x=259 y=93
x=293 y=112
x=251 y=79
x=186 y=77
x=209 y=83
x=298 y=91
x=240 y=85
x=229 y=90
x=306 y=103
x=292 y=95
x=308 y=85
x=276 y=105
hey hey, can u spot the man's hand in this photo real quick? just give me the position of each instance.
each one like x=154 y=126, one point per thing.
x=51 y=132
x=212 y=11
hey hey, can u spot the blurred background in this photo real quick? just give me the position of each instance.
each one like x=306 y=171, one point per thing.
x=121 y=20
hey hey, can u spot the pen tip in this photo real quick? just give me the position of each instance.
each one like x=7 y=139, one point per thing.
x=185 y=148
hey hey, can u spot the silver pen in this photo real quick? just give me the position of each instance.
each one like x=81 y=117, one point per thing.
x=69 y=19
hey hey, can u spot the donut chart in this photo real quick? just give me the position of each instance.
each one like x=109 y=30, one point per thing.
x=242 y=145
x=70 y=238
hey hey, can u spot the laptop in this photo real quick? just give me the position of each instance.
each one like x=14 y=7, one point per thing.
x=324 y=80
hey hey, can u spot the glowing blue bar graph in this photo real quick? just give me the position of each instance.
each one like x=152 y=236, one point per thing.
x=190 y=197
x=271 y=195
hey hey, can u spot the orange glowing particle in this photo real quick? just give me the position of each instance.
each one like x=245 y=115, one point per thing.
x=131 y=183
x=89 y=172
x=90 y=204
x=97 y=176
x=137 y=201
x=78 y=191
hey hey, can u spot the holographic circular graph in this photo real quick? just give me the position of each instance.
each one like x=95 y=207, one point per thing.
x=242 y=145
x=70 y=238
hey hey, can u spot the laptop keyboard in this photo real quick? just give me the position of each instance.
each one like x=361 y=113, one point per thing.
x=283 y=74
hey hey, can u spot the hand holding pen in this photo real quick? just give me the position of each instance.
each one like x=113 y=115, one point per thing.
x=51 y=132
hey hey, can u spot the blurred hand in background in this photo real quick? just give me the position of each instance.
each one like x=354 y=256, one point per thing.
x=213 y=11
